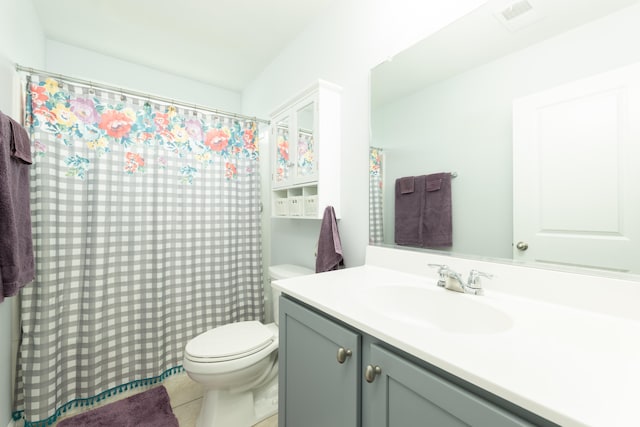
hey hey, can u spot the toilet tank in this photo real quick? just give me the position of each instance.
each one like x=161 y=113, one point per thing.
x=284 y=271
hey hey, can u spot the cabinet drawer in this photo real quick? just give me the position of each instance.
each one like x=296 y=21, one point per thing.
x=311 y=206
x=295 y=206
x=282 y=207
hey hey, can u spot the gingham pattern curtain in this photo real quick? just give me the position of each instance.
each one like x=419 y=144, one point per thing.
x=142 y=240
x=376 y=199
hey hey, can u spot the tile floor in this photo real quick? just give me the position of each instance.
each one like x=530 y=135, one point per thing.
x=186 y=397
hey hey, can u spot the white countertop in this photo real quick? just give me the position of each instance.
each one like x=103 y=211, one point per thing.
x=574 y=367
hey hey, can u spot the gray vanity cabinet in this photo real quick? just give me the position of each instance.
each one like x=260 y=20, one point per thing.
x=329 y=376
x=319 y=370
x=403 y=394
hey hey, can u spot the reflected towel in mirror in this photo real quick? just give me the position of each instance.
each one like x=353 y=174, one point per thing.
x=423 y=217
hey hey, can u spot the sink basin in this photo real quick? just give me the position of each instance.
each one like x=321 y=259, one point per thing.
x=436 y=308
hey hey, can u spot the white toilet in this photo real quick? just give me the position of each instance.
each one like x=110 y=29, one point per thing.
x=238 y=366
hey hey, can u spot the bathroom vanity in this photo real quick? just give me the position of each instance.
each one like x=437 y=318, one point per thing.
x=383 y=345
x=321 y=362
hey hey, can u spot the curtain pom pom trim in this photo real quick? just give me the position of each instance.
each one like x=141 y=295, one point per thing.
x=90 y=401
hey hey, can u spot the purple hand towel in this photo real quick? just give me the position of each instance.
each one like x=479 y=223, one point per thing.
x=17 y=267
x=407 y=184
x=329 y=245
x=436 y=223
x=409 y=210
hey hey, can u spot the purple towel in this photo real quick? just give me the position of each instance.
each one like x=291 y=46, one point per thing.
x=436 y=223
x=423 y=217
x=16 y=249
x=409 y=210
x=329 y=245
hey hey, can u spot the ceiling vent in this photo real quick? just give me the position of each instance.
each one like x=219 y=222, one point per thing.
x=516 y=15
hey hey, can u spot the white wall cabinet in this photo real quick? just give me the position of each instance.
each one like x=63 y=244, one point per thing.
x=305 y=160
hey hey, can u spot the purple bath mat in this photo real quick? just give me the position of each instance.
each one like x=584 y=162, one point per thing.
x=146 y=409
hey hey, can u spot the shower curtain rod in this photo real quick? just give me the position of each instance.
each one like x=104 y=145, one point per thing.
x=139 y=95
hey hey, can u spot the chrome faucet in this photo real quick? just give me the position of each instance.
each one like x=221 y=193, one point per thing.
x=452 y=281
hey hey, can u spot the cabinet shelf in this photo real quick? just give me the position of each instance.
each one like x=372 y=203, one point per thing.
x=296 y=202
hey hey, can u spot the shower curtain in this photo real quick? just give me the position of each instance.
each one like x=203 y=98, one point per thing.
x=376 y=235
x=146 y=221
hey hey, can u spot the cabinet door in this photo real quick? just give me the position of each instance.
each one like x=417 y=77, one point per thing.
x=315 y=389
x=406 y=395
x=282 y=160
x=306 y=166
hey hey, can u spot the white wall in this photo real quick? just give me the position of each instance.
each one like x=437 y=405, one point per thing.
x=463 y=124
x=88 y=65
x=345 y=42
x=21 y=41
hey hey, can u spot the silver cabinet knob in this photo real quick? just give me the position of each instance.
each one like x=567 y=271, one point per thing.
x=343 y=354
x=371 y=372
x=522 y=246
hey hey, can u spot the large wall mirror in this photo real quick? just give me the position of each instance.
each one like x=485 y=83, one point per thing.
x=454 y=102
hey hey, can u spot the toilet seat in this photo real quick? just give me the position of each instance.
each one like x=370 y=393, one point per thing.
x=229 y=342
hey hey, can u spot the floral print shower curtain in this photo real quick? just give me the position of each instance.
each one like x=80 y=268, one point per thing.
x=146 y=221
x=376 y=199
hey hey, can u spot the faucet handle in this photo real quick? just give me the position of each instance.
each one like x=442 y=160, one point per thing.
x=474 y=278
x=443 y=270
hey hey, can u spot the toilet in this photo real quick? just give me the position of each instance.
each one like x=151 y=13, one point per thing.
x=237 y=364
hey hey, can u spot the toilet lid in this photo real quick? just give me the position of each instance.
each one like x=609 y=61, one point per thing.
x=231 y=341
